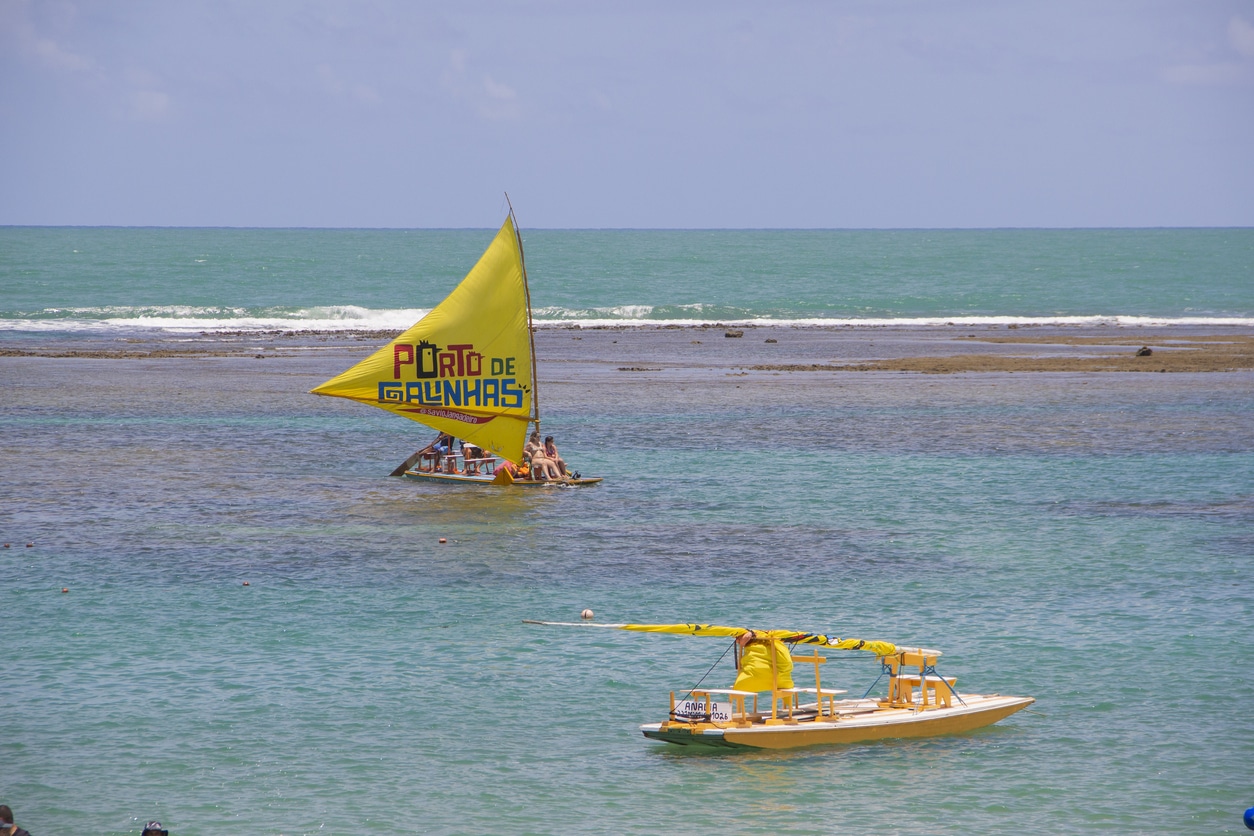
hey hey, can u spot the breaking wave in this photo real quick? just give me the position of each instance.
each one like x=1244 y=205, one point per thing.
x=192 y=319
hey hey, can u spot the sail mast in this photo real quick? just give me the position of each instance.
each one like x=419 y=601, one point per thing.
x=531 y=329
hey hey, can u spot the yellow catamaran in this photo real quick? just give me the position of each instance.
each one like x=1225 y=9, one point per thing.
x=920 y=702
x=466 y=369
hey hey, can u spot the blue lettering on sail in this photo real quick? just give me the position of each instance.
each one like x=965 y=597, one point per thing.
x=502 y=393
x=511 y=394
x=491 y=392
x=453 y=392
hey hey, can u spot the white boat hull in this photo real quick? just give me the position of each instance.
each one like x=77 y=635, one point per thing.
x=857 y=721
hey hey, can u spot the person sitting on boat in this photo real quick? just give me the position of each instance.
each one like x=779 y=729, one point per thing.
x=441 y=447
x=550 y=453
x=471 y=452
x=541 y=466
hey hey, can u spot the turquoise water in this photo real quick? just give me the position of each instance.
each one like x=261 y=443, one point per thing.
x=85 y=278
x=1083 y=539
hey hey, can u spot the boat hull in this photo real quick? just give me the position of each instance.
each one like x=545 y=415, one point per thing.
x=882 y=724
x=463 y=479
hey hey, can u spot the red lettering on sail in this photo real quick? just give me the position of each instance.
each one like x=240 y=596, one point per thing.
x=397 y=362
x=460 y=351
x=452 y=415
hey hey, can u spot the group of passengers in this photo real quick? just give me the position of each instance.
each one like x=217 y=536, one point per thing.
x=541 y=461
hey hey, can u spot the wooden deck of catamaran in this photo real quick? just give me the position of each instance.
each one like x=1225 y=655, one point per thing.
x=443 y=468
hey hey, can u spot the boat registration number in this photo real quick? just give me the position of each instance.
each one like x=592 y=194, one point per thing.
x=720 y=712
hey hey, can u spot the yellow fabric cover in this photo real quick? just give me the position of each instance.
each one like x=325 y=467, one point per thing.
x=465 y=367
x=755 y=666
x=688 y=629
x=879 y=648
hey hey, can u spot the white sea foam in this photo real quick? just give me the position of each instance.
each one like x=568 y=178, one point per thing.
x=185 y=319
x=181 y=319
x=918 y=322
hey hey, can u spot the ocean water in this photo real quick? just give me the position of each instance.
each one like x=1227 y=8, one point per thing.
x=1085 y=539
x=66 y=279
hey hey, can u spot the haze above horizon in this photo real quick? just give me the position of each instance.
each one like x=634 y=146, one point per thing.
x=857 y=115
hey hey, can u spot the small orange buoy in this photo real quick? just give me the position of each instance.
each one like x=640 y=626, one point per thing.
x=443 y=540
x=586 y=615
x=245 y=583
x=30 y=545
x=65 y=589
x=6 y=545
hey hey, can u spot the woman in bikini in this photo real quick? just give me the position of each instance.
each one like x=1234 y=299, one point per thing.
x=542 y=467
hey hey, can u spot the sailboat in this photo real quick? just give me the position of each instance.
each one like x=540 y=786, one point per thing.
x=468 y=370
x=920 y=701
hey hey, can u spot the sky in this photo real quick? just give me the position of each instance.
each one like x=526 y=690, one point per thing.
x=727 y=114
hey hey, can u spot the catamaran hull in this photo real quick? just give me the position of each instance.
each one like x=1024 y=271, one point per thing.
x=462 y=479
x=883 y=724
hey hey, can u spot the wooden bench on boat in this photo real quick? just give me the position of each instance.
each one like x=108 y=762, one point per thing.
x=785 y=701
x=787 y=708
x=488 y=463
x=941 y=688
x=792 y=695
x=433 y=462
x=740 y=714
x=901 y=685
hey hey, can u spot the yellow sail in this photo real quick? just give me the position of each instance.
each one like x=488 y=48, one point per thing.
x=879 y=648
x=465 y=368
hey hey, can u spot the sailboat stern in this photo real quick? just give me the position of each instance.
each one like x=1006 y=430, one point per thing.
x=687 y=735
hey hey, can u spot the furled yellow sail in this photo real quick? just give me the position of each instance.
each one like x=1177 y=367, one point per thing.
x=759 y=672
x=879 y=648
x=765 y=662
x=466 y=367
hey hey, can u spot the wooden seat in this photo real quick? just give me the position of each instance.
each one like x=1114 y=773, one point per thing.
x=940 y=687
x=901 y=689
x=488 y=463
x=740 y=713
x=820 y=694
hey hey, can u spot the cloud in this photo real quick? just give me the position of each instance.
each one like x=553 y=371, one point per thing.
x=53 y=55
x=490 y=98
x=16 y=27
x=1241 y=36
x=501 y=100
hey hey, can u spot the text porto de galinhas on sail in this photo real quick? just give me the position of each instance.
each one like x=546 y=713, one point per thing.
x=465 y=368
